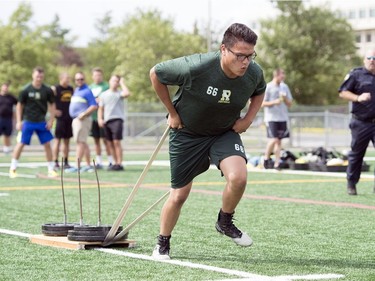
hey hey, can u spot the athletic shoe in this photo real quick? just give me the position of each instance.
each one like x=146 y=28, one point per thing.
x=267 y=164
x=161 y=250
x=52 y=174
x=12 y=174
x=117 y=167
x=71 y=170
x=99 y=166
x=224 y=225
x=67 y=166
x=57 y=166
x=110 y=166
x=352 y=190
x=88 y=169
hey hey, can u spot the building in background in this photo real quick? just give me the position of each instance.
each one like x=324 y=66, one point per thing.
x=362 y=19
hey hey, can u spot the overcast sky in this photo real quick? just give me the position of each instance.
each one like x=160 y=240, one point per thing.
x=80 y=15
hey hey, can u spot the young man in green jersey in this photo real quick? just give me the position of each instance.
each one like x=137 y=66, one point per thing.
x=205 y=123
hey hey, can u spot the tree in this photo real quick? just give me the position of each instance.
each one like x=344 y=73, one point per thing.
x=24 y=46
x=143 y=40
x=101 y=52
x=315 y=48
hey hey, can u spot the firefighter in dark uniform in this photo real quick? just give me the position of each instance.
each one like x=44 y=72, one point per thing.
x=359 y=88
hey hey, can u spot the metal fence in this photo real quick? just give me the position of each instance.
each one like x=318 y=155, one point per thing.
x=307 y=129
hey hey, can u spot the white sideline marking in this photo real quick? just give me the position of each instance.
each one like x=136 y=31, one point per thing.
x=246 y=276
x=15 y=233
x=4 y=194
x=19 y=175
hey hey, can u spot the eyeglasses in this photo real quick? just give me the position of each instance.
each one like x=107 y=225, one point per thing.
x=241 y=57
x=370 y=58
x=80 y=79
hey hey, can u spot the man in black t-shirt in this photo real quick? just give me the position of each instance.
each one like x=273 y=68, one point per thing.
x=63 y=130
x=34 y=101
x=7 y=103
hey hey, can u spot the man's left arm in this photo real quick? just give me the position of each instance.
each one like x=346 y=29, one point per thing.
x=244 y=123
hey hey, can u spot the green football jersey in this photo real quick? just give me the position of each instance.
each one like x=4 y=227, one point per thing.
x=207 y=101
x=35 y=102
x=97 y=90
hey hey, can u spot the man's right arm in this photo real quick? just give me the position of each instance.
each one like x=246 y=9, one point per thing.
x=19 y=110
x=349 y=96
x=162 y=91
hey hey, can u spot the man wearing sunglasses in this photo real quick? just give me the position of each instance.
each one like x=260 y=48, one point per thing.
x=205 y=122
x=359 y=88
x=82 y=105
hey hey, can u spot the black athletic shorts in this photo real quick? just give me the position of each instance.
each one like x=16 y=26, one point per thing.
x=277 y=130
x=96 y=131
x=191 y=155
x=113 y=129
x=63 y=129
x=6 y=126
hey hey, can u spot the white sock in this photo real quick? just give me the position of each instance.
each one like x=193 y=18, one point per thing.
x=110 y=159
x=6 y=149
x=98 y=159
x=13 y=164
x=51 y=165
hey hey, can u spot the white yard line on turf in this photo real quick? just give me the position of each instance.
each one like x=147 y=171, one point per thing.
x=14 y=233
x=245 y=275
x=4 y=194
x=19 y=175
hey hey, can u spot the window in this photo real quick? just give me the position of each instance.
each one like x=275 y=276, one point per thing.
x=368 y=37
x=358 y=38
x=372 y=13
x=362 y=13
x=351 y=14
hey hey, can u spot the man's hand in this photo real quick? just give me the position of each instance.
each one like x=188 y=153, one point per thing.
x=241 y=126
x=19 y=126
x=58 y=113
x=101 y=123
x=364 y=97
x=175 y=122
x=82 y=116
x=49 y=124
x=277 y=101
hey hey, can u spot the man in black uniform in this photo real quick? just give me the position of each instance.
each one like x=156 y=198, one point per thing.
x=7 y=115
x=205 y=125
x=359 y=88
x=63 y=130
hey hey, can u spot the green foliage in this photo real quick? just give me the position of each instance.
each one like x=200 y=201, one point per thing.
x=23 y=47
x=314 y=46
x=143 y=40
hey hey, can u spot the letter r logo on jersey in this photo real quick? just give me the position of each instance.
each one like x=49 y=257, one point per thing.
x=225 y=96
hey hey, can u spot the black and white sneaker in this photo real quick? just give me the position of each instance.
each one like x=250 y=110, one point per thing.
x=225 y=226
x=161 y=250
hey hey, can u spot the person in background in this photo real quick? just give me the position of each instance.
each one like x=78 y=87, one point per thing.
x=359 y=88
x=98 y=87
x=111 y=115
x=63 y=130
x=81 y=107
x=277 y=99
x=33 y=103
x=7 y=115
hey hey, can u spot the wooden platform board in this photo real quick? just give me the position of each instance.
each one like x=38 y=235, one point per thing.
x=63 y=242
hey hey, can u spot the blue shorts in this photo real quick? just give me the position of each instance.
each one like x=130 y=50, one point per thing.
x=6 y=126
x=28 y=128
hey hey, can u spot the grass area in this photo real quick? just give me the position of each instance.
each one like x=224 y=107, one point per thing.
x=290 y=238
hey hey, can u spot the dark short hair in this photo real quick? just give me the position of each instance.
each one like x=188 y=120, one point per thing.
x=38 y=69
x=239 y=32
